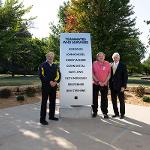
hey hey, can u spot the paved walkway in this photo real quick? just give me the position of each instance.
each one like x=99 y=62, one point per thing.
x=20 y=130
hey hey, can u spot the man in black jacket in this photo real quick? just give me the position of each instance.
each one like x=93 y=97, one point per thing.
x=118 y=83
x=50 y=75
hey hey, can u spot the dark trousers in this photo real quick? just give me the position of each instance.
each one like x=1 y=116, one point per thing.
x=120 y=95
x=51 y=94
x=104 y=100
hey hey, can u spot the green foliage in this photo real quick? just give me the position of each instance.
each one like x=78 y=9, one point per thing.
x=18 y=80
x=14 y=35
x=136 y=81
x=12 y=22
x=41 y=47
x=148 y=23
x=20 y=98
x=140 y=90
x=53 y=41
x=30 y=91
x=146 y=99
x=31 y=55
x=146 y=66
x=138 y=68
x=110 y=24
x=5 y=93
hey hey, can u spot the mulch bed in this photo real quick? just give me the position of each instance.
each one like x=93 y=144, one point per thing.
x=131 y=98
x=11 y=101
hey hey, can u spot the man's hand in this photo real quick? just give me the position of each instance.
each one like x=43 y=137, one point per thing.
x=122 y=89
x=103 y=83
x=53 y=83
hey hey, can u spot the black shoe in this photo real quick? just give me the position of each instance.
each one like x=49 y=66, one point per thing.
x=43 y=122
x=114 y=116
x=53 y=118
x=122 y=117
x=106 y=116
x=94 y=115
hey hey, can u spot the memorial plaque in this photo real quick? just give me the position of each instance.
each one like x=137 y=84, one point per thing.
x=76 y=69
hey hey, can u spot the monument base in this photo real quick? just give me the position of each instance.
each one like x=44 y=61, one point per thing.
x=75 y=111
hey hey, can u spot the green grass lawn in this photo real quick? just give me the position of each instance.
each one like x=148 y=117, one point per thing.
x=135 y=81
x=6 y=80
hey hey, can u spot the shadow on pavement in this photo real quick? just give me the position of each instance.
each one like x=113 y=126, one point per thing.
x=20 y=130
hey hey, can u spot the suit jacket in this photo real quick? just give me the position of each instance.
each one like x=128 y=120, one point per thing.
x=48 y=73
x=120 y=78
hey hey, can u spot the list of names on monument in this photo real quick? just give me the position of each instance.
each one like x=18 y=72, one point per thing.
x=75 y=66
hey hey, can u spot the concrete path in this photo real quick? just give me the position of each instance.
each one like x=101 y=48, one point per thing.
x=20 y=130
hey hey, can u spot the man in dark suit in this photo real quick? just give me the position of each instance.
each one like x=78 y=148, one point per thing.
x=118 y=83
x=50 y=75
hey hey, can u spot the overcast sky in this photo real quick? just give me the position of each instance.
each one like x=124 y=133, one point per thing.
x=141 y=9
x=46 y=12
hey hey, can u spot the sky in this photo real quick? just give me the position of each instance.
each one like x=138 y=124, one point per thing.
x=47 y=10
x=141 y=9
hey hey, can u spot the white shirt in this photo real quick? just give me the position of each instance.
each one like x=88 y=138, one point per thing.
x=49 y=63
x=115 y=65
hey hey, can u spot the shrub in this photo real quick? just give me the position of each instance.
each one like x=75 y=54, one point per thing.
x=18 y=91
x=5 y=93
x=132 y=89
x=20 y=98
x=146 y=99
x=30 y=91
x=140 y=91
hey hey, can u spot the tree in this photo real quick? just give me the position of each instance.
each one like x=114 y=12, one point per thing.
x=14 y=32
x=53 y=40
x=54 y=36
x=110 y=24
x=148 y=23
x=37 y=49
x=146 y=66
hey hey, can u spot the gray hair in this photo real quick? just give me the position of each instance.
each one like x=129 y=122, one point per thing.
x=100 y=53
x=114 y=55
x=50 y=53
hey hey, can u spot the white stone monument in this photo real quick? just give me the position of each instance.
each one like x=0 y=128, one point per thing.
x=76 y=75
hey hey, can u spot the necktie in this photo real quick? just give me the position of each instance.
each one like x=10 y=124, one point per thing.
x=114 y=68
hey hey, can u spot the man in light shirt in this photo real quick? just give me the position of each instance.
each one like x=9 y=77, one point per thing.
x=117 y=84
x=101 y=74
